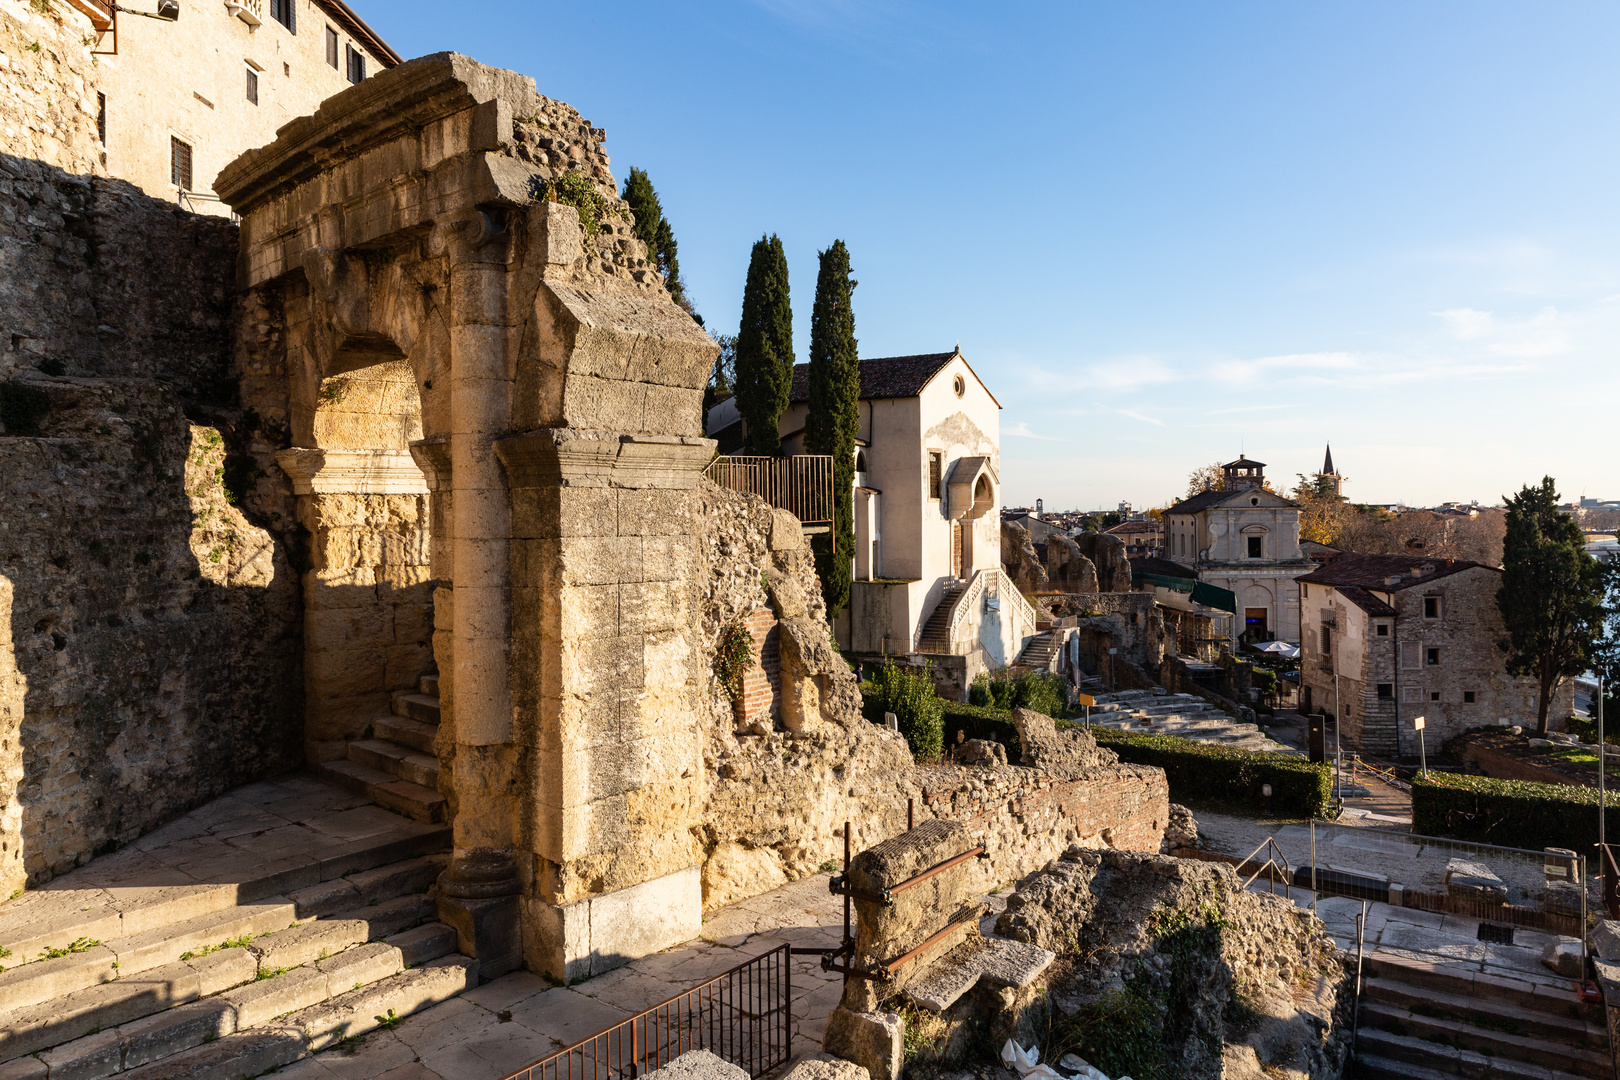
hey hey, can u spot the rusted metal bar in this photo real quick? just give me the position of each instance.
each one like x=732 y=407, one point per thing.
x=940 y=868
x=911 y=814
x=886 y=971
x=849 y=942
x=840 y=886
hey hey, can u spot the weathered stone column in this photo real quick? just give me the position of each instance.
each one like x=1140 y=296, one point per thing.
x=479 y=893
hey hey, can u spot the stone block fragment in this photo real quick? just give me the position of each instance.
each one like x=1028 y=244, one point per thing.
x=1468 y=880
x=699 y=1065
x=874 y=1041
x=825 y=1067
x=1563 y=955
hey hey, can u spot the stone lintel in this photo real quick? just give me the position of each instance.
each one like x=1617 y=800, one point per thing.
x=573 y=457
x=598 y=934
x=356 y=472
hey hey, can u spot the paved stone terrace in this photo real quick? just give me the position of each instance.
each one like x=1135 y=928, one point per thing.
x=519 y=1018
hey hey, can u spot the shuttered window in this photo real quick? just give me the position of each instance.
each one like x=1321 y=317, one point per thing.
x=179 y=164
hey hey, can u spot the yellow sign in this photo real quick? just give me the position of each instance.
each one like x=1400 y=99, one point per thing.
x=1087 y=700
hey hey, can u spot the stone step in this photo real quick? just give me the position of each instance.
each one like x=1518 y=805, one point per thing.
x=228 y=1035
x=429 y=685
x=401 y=761
x=367 y=1008
x=417 y=707
x=405 y=732
x=1410 y=1057
x=1496 y=1044
x=1539 y=998
x=138 y=1019
x=1485 y=1012
x=401 y=796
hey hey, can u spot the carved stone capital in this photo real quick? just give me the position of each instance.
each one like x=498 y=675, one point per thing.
x=433 y=458
x=572 y=457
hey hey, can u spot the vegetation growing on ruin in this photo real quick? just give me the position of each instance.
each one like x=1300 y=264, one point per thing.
x=579 y=191
x=910 y=696
x=1001 y=689
x=732 y=656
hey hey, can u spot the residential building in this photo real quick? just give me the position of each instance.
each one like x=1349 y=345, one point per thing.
x=1245 y=538
x=1142 y=536
x=1388 y=638
x=927 y=558
x=178 y=100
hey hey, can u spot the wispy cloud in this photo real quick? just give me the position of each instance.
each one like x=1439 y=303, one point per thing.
x=1132 y=414
x=1546 y=333
x=1117 y=376
x=1021 y=430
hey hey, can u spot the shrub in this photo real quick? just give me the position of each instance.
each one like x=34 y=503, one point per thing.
x=1584 y=728
x=1205 y=774
x=910 y=696
x=980 y=722
x=1509 y=813
x=1038 y=690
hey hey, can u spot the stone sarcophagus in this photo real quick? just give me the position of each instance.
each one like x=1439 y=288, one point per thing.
x=471 y=324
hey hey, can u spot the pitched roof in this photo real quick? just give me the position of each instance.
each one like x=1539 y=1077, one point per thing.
x=1206 y=498
x=1244 y=463
x=1327 y=463
x=1126 y=528
x=883 y=377
x=1385 y=573
x=1366 y=601
x=1152 y=564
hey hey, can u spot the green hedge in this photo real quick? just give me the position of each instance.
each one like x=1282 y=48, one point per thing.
x=1208 y=775
x=910 y=696
x=980 y=722
x=1511 y=813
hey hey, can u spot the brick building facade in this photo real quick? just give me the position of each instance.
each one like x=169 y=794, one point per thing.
x=1408 y=637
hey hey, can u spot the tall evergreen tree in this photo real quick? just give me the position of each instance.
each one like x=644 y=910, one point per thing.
x=833 y=420
x=653 y=229
x=764 y=364
x=1551 y=594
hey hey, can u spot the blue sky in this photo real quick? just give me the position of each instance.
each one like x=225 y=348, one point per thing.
x=1162 y=233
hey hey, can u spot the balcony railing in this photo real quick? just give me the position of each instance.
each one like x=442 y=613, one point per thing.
x=801 y=484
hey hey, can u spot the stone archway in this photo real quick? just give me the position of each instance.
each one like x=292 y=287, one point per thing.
x=560 y=401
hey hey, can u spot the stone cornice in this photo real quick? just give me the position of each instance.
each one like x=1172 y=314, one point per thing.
x=354 y=472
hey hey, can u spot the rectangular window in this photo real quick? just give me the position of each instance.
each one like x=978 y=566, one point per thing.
x=1383 y=629
x=331 y=48
x=1468 y=697
x=253 y=86
x=1431 y=607
x=282 y=12
x=1254 y=547
x=1327 y=641
x=1432 y=657
x=357 y=64
x=935 y=464
x=1434 y=695
x=179 y=164
x=101 y=117
x=1386 y=691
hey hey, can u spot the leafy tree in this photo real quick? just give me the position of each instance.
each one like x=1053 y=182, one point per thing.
x=653 y=229
x=833 y=419
x=723 y=378
x=764 y=354
x=1551 y=594
x=1322 y=511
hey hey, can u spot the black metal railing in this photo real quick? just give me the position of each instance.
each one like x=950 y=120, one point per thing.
x=801 y=484
x=741 y=1015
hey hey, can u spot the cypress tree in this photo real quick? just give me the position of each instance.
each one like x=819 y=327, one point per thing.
x=764 y=372
x=653 y=229
x=833 y=420
x=1551 y=594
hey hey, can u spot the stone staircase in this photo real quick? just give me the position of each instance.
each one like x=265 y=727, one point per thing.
x=1184 y=715
x=936 y=632
x=395 y=764
x=1419 y=1022
x=1037 y=655
x=107 y=976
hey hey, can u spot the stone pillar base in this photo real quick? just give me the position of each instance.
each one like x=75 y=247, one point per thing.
x=487 y=930
x=601 y=933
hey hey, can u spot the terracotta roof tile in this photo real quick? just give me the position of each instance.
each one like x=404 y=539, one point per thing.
x=883 y=377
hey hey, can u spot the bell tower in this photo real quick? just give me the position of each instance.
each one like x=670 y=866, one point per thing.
x=1243 y=474
x=1329 y=480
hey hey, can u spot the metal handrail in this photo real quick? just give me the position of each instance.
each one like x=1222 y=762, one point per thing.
x=801 y=484
x=742 y=1015
x=1355 y=1013
x=1275 y=860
